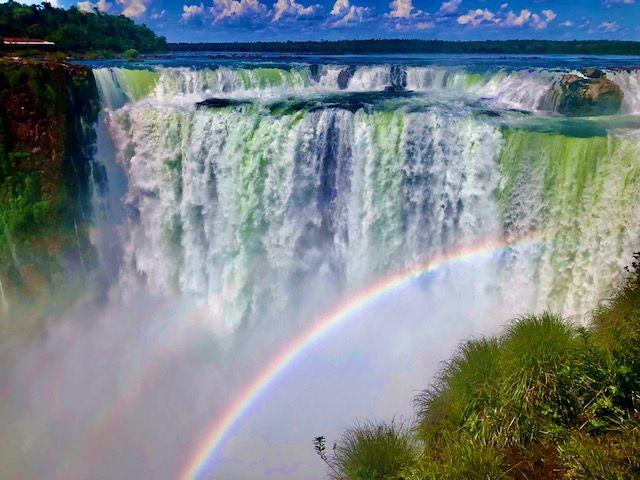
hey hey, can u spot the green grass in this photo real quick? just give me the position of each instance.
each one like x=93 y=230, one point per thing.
x=374 y=451
x=546 y=399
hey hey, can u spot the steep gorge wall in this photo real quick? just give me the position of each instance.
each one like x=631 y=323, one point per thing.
x=47 y=112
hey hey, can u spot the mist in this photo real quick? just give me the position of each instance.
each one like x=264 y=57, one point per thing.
x=128 y=390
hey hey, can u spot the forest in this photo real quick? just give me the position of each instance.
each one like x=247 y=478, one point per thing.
x=79 y=32
x=391 y=46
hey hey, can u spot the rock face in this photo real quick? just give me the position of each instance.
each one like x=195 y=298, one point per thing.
x=345 y=76
x=589 y=95
x=47 y=111
x=397 y=80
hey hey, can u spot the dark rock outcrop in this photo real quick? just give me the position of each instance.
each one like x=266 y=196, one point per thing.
x=221 y=103
x=345 y=75
x=589 y=95
x=397 y=79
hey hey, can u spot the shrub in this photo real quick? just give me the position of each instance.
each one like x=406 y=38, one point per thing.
x=371 y=451
x=131 y=55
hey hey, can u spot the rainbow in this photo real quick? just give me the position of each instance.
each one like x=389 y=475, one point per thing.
x=199 y=462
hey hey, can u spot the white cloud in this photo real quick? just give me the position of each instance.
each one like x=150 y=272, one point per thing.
x=134 y=8
x=507 y=18
x=567 y=24
x=192 y=11
x=514 y=20
x=293 y=8
x=449 y=7
x=425 y=25
x=225 y=9
x=340 y=7
x=477 y=17
x=540 y=23
x=406 y=17
x=609 y=27
x=54 y=3
x=401 y=9
x=85 y=6
x=102 y=6
x=157 y=15
x=344 y=13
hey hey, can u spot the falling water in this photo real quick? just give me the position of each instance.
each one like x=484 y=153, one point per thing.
x=251 y=205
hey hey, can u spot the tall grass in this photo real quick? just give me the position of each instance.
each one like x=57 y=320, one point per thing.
x=547 y=399
x=374 y=451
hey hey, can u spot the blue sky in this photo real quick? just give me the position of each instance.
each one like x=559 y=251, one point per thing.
x=249 y=20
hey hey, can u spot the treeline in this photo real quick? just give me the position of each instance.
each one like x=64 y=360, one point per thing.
x=340 y=47
x=547 y=399
x=75 y=31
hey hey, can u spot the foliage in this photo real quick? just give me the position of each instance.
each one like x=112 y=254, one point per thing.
x=131 y=55
x=46 y=116
x=547 y=399
x=339 y=47
x=75 y=31
x=371 y=451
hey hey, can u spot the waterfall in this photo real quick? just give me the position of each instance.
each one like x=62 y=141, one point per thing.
x=629 y=82
x=248 y=209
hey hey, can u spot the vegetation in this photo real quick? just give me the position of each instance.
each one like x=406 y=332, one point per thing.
x=46 y=115
x=545 y=400
x=131 y=55
x=340 y=47
x=74 y=31
x=371 y=451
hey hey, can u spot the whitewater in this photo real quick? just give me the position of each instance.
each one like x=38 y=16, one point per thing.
x=319 y=178
x=237 y=201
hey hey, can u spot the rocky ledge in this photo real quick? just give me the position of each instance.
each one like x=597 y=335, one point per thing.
x=589 y=93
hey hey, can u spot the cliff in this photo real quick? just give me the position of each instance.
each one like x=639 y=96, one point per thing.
x=47 y=112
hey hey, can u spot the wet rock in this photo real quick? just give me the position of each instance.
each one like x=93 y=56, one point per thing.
x=394 y=89
x=314 y=71
x=220 y=103
x=593 y=73
x=591 y=95
x=345 y=76
x=397 y=79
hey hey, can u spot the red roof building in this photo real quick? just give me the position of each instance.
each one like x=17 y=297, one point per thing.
x=25 y=41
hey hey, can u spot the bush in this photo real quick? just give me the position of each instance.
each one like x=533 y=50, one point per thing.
x=131 y=55
x=374 y=452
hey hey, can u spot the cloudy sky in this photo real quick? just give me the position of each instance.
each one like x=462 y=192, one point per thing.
x=240 y=20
